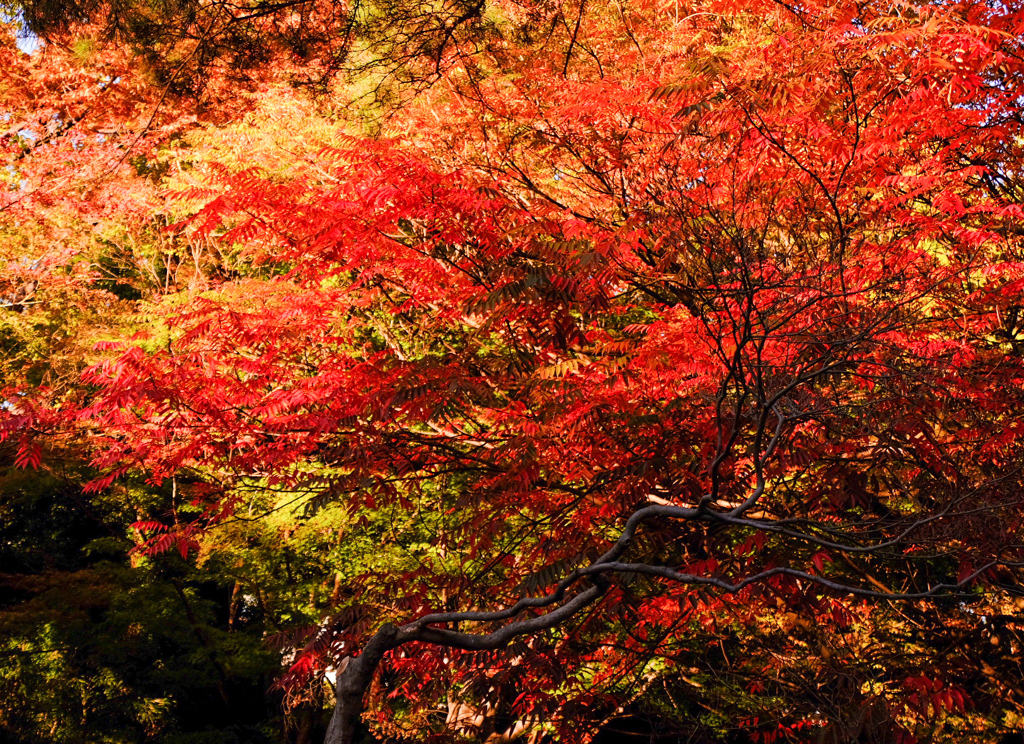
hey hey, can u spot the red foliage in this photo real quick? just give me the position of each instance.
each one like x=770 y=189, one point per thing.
x=753 y=275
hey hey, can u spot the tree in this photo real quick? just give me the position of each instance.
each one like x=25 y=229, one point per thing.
x=100 y=644
x=187 y=45
x=95 y=649
x=660 y=316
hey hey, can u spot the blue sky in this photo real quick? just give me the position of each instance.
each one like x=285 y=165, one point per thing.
x=27 y=41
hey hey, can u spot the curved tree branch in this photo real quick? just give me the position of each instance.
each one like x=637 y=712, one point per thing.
x=355 y=677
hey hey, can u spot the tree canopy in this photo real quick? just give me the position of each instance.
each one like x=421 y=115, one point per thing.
x=542 y=368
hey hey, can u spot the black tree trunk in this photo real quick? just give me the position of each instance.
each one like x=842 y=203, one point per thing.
x=353 y=681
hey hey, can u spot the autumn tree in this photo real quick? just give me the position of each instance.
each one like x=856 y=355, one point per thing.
x=97 y=643
x=642 y=325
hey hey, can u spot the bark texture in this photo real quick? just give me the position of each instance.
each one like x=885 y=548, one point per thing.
x=352 y=684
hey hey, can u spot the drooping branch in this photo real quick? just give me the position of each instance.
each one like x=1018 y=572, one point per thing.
x=355 y=677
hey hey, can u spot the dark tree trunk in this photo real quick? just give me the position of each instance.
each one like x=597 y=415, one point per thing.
x=353 y=681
